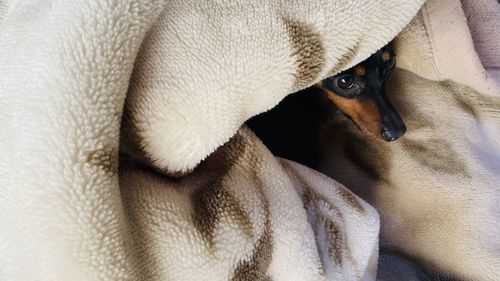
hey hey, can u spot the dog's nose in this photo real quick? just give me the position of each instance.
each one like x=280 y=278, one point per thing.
x=393 y=133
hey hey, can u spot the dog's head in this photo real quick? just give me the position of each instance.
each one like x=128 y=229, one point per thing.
x=359 y=93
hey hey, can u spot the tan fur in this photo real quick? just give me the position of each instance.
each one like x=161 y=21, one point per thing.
x=360 y=70
x=386 y=55
x=364 y=113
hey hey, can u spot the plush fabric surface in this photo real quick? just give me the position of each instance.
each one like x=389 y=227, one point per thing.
x=244 y=59
x=245 y=215
x=437 y=188
x=183 y=76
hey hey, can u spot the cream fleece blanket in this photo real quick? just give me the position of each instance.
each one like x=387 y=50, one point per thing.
x=192 y=72
x=437 y=189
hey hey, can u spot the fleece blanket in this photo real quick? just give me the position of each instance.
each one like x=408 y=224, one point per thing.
x=122 y=151
x=437 y=189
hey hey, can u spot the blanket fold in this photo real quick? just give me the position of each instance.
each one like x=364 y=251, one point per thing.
x=249 y=216
x=205 y=68
x=183 y=76
x=437 y=188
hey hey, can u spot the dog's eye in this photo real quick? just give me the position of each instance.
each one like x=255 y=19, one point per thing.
x=345 y=82
x=390 y=63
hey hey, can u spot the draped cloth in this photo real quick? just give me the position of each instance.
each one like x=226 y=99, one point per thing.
x=124 y=155
x=436 y=189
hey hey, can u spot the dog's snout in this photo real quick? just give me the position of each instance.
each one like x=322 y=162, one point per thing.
x=392 y=134
x=393 y=127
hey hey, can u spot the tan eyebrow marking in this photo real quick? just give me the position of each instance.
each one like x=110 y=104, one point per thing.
x=364 y=113
x=386 y=55
x=360 y=70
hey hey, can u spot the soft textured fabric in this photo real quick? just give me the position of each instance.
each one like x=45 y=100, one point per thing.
x=437 y=189
x=213 y=65
x=188 y=74
x=245 y=215
x=483 y=20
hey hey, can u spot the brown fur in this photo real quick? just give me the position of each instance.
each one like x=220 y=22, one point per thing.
x=364 y=113
x=386 y=55
x=360 y=70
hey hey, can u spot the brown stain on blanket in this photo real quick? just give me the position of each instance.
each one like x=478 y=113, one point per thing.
x=313 y=203
x=307 y=50
x=473 y=102
x=105 y=158
x=212 y=201
x=336 y=243
x=438 y=155
x=316 y=204
x=349 y=198
x=255 y=267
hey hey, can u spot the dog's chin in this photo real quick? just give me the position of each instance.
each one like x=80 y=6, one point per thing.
x=370 y=133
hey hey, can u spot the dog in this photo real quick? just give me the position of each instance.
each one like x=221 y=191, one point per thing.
x=290 y=129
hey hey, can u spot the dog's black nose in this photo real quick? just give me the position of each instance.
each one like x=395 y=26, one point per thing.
x=393 y=133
